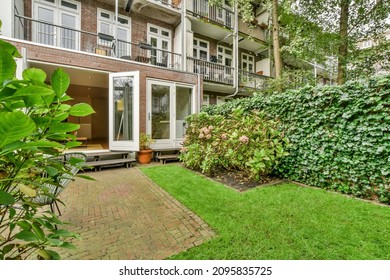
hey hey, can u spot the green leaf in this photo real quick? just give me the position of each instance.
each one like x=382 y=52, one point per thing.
x=38 y=231
x=72 y=144
x=7 y=66
x=34 y=90
x=34 y=74
x=24 y=225
x=44 y=254
x=54 y=255
x=68 y=245
x=6 y=198
x=9 y=48
x=81 y=110
x=26 y=235
x=51 y=171
x=8 y=248
x=14 y=126
x=60 y=82
x=63 y=127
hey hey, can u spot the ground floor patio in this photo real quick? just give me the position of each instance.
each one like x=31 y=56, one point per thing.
x=123 y=215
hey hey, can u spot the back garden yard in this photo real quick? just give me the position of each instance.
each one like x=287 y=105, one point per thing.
x=335 y=138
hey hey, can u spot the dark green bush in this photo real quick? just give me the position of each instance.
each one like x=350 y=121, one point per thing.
x=339 y=135
x=238 y=142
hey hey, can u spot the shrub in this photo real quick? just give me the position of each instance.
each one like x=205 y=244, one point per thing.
x=31 y=126
x=238 y=142
x=339 y=135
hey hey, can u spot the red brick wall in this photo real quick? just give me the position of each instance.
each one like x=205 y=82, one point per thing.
x=89 y=23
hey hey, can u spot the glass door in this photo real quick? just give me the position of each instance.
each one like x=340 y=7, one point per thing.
x=184 y=108
x=160 y=112
x=45 y=32
x=168 y=105
x=159 y=38
x=124 y=111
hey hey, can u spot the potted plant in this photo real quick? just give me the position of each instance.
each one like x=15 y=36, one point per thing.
x=145 y=153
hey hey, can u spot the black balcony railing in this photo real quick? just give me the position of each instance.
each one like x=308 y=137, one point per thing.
x=252 y=80
x=211 y=71
x=65 y=37
x=219 y=15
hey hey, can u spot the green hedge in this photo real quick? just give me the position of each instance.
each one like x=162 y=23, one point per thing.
x=339 y=135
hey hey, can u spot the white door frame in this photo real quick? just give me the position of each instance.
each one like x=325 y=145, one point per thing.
x=128 y=145
x=173 y=141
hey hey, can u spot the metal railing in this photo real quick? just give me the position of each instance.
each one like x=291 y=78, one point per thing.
x=169 y=3
x=252 y=80
x=65 y=37
x=219 y=15
x=211 y=71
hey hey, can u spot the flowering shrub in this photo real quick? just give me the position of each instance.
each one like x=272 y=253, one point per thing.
x=242 y=142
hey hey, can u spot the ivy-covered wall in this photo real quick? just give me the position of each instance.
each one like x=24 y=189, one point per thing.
x=339 y=135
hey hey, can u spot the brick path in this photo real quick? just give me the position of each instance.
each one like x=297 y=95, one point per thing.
x=123 y=215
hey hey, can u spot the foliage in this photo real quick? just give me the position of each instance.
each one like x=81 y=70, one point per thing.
x=291 y=79
x=31 y=128
x=277 y=222
x=339 y=135
x=145 y=140
x=242 y=142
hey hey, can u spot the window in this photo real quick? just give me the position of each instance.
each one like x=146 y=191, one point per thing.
x=248 y=63
x=65 y=14
x=367 y=44
x=220 y=100
x=160 y=39
x=225 y=57
x=106 y=26
x=206 y=100
x=201 y=49
x=201 y=56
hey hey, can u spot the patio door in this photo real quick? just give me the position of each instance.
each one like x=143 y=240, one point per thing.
x=168 y=104
x=124 y=111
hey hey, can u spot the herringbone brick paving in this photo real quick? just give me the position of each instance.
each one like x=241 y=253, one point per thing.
x=123 y=215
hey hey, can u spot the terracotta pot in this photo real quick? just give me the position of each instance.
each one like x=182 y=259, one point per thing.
x=145 y=156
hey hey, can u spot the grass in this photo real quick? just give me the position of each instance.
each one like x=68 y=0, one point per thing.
x=278 y=222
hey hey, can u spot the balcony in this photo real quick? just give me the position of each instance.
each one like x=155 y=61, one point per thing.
x=221 y=74
x=252 y=80
x=98 y=43
x=222 y=16
x=212 y=72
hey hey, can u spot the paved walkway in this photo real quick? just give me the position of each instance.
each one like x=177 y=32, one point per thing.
x=123 y=215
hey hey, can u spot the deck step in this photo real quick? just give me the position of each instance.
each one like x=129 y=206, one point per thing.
x=163 y=158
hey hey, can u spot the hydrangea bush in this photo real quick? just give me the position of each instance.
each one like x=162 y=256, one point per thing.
x=243 y=142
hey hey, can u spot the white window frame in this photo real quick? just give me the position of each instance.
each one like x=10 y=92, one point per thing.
x=206 y=100
x=198 y=48
x=111 y=31
x=58 y=10
x=159 y=59
x=247 y=61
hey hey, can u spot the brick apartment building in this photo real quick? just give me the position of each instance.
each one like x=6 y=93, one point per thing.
x=145 y=69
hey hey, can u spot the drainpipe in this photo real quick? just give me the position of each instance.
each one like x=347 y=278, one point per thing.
x=116 y=28
x=184 y=35
x=198 y=105
x=235 y=49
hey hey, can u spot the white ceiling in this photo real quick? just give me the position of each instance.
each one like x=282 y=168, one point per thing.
x=78 y=76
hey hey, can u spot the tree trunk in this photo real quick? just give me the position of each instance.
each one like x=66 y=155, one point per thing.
x=343 y=47
x=275 y=39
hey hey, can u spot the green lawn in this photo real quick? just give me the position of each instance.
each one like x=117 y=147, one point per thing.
x=278 y=222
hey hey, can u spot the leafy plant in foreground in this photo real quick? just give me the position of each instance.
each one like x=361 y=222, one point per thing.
x=32 y=135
